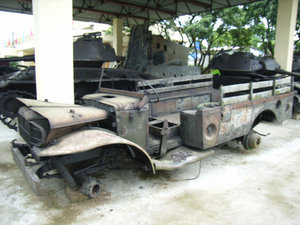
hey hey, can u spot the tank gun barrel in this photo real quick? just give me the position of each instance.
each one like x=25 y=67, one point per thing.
x=294 y=74
x=17 y=59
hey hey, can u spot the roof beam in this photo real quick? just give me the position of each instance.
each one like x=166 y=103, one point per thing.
x=194 y=2
x=169 y=12
x=110 y=13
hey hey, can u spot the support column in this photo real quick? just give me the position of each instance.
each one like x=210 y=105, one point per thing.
x=118 y=35
x=285 y=30
x=53 y=50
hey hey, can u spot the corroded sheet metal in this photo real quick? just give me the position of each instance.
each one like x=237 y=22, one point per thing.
x=132 y=125
x=178 y=104
x=28 y=172
x=215 y=125
x=63 y=115
x=130 y=112
x=244 y=92
x=85 y=140
x=121 y=92
x=200 y=128
x=237 y=122
x=119 y=102
x=238 y=119
x=179 y=158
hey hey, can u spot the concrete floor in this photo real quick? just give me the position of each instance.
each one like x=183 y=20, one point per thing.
x=258 y=187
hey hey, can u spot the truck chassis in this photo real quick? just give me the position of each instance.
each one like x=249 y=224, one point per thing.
x=165 y=125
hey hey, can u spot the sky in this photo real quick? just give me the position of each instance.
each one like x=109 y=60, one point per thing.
x=22 y=25
x=14 y=22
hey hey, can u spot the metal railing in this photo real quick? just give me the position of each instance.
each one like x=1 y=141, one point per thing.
x=231 y=94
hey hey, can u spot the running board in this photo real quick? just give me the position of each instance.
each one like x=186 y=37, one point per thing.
x=180 y=157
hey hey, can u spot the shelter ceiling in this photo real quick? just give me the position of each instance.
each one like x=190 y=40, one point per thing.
x=133 y=12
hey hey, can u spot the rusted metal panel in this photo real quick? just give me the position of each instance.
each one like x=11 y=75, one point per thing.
x=262 y=84
x=175 y=84
x=176 y=81
x=121 y=92
x=119 y=102
x=165 y=70
x=181 y=87
x=231 y=121
x=262 y=94
x=270 y=88
x=261 y=101
x=62 y=115
x=286 y=80
x=235 y=99
x=28 y=172
x=200 y=128
x=133 y=125
x=85 y=140
x=235 y=88
x=239 y=123
x=154 y=144
x=238 y=118
x=172 y=118
x=283 y=90
x=130 y=113
x=52 y=120
x=178 y=104
x=179 y=158
x=185 y=93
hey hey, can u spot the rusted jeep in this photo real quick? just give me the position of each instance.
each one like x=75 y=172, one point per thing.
x=164 y=125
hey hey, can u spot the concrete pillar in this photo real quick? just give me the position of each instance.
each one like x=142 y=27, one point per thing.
x=54 y=50
x=117 y=35
x=285 y=30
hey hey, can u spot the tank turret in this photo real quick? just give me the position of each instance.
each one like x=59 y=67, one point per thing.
x=244 y=67
x=89 y=55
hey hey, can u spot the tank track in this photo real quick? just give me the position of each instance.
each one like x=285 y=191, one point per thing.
x=8 y=115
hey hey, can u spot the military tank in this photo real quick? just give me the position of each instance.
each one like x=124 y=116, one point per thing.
x=89 y=55
x=244 y=67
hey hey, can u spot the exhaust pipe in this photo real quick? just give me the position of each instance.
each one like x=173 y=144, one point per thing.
x=91 y=187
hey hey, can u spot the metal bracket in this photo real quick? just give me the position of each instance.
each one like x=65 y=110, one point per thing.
x=164 y=137
x=65 y=173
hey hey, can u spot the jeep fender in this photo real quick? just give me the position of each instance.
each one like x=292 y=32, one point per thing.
x=88 y=139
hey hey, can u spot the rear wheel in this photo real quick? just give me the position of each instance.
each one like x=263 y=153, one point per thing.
x=251 y=140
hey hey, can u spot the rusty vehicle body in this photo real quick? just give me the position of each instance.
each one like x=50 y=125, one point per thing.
x=244 y=67
x=165 y=125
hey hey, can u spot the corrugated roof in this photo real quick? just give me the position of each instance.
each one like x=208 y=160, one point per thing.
x=133 y=12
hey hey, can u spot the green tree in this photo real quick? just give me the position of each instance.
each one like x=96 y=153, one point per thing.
x=262 y=21
x=297 y=42
x=262 y=16
x=126 y=31
x=252 y=25
x=212 y=30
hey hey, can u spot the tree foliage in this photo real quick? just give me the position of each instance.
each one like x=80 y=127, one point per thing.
x=125 y=30
x=209 y=32
x=262 y=21
x=252 y=25
x=297 y=42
